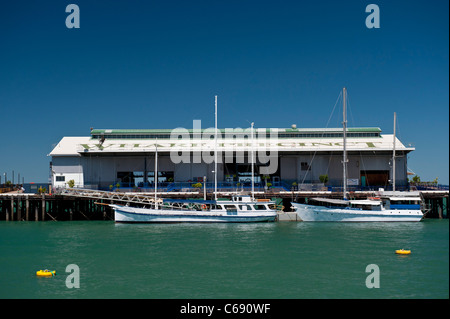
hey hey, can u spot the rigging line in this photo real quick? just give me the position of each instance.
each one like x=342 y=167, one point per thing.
x=329 y=119
x=328 y=122
x=350 y=110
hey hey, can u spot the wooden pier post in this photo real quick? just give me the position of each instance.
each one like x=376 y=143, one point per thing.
x=12 y=208
x=19 y=211
x=7 y=214
x=36 y=214
x=445 y=207
x=27 y=207
x=439 y=209
x=43 y=207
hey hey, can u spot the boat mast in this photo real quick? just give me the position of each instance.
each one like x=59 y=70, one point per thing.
x=215 y=151
x=156 y=173
x=393 y=155
x=344 y=125
x=253 y=166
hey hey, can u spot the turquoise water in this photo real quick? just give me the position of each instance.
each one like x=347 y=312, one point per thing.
x=270 y=260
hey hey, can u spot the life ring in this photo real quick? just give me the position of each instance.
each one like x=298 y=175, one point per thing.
x=204 y=206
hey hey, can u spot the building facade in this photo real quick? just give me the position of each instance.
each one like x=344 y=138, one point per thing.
x=110 y=158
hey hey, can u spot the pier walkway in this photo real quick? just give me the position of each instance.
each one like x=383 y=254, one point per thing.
x=136 y=198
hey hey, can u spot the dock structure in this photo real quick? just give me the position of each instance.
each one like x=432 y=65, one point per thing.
x=110 y=197
x=82 y=204
x=45 y=207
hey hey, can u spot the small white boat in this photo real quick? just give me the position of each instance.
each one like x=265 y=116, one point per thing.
x=241 y=209
x=389 y=209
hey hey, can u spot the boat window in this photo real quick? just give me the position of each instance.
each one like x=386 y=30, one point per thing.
x=405 y=202
x=231 y=208
x=365 y=207
x=260 y=207
x=245 y=207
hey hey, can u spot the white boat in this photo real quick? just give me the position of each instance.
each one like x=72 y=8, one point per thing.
x=403 y=207
x=241 y=209
x=379 y=209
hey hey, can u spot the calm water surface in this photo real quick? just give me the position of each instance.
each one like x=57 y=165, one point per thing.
x=270 y=260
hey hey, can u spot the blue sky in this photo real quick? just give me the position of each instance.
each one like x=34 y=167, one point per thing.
x=158 y=64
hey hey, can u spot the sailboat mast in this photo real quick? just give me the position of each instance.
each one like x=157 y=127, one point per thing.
x=253 y=166
x=156 y=174
x=393 y=155
x=344 y=125
x=215 y=150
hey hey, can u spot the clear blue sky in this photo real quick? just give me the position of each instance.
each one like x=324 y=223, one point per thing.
x=158 y=64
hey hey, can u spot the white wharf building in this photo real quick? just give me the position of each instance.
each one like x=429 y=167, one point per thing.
x=110 y=158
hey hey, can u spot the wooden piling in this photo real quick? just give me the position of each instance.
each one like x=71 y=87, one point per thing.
x=12 y=208
x=36 y=214
x=439 y=208
x=27 y=208
x=43 y=207
x=19 y=211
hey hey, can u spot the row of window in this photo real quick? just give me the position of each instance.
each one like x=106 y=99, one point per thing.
x=246 y=135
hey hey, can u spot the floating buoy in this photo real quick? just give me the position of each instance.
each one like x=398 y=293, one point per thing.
x=46 y=273
x=403 y=252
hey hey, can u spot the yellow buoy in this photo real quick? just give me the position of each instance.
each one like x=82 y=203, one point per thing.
x=403 y=252
x=46 y=273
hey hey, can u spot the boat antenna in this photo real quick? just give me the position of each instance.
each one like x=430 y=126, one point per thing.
x=253 y=165
x=393 y=155
x=156 y=173
x=215 y=150
x=344 y=126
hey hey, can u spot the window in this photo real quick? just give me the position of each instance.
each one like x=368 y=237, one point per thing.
x=231 y=208
x=60 y=178
x=305 y=166
x=260 y=207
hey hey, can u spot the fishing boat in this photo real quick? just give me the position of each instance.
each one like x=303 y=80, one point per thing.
x=387 y=206
x=240 y=209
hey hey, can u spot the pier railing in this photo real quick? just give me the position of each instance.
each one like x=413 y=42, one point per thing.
x=109 y=196
x=283 y=186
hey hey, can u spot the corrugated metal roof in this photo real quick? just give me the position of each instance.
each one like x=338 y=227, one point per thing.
x=223 y=130
x=76 y=146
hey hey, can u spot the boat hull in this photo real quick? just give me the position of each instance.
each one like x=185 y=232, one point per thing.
x=310 y=213
x=123 y=214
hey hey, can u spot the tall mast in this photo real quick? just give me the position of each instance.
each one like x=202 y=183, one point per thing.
x=156 y=173
x=344 y=125
x=215 y=152
x=393 y=155
x=253 y=166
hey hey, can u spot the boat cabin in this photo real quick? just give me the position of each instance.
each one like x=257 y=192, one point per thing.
x=402 y=202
